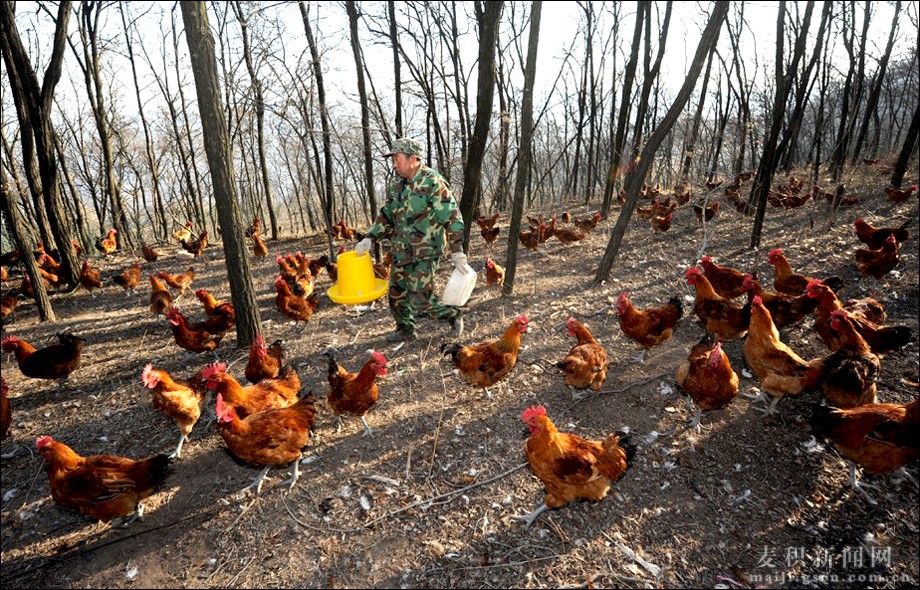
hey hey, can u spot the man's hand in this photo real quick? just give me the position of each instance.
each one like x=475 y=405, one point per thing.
x=459 y=259
x=364 y=246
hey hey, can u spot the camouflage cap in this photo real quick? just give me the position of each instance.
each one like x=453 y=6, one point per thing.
x=407 y=145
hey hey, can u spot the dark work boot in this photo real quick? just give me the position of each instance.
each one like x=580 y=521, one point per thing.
x=401 y=335
x=456 y=323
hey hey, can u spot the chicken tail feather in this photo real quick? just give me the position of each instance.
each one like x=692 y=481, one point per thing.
x=892 y=338
x=333 y=365
x=835 y=283
x=676 y=302
x=159 y=469
x=450 y=348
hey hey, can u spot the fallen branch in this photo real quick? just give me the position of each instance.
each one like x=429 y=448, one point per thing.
x=445 y=495
x=626 y=387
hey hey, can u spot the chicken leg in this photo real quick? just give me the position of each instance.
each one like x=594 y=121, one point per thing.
x=294 y=475
x=530 y=518
x=177 y=454
x=367 y=429
x=257 y=482
x=137 y=515
x=860 y=486
x=697 y=416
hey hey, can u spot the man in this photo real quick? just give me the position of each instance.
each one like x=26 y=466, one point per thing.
x=419 y=218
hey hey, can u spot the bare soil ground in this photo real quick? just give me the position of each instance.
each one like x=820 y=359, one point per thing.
x=750 y=501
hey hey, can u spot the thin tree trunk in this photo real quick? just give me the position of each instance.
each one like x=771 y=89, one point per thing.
x=619 y=142
x=33 y=106
x=910 y=142
x=634 y=182
x=161 y=228
x=783 y=85
x=217 y=142
x=489 y=18
x=525 y=149
x=690 y=150
x=89 y=37
x=876 y=90
x=260 y=119
x=324 y=118
x=397 y=79
x=23 y=244
x=352 y=9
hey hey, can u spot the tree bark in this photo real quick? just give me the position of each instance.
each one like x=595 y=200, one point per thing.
x=260 y=119
x=488 y=18
x=89 y=37
x=217 y=142
x=324 y=118
x=23 y=244
x=397 y=79
x=619 y=142
x=352 y=9
x=876 y=91
x=525 y=149
x=910 y=142
x=634 y=182
x=33 y=106
x=783 y=85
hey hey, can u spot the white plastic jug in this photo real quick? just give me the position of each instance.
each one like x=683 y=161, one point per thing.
x=460 y=286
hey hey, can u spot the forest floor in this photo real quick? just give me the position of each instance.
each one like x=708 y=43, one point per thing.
x=748 y=501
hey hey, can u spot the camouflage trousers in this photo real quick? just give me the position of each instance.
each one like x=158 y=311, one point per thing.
x=412 y=292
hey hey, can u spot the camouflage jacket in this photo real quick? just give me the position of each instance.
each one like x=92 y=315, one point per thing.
x=419 y=218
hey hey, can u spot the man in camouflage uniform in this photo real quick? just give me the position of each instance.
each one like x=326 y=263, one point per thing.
x=419 y=218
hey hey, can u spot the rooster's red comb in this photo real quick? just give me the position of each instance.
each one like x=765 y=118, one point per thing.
x=532 y=412
x=379 y=358
x=758 y=300
x=776 y=252
x=213 y=369
x=43 y=441
x=148 y=379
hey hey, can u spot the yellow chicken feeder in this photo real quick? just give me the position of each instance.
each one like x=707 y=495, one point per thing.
x=356 y=281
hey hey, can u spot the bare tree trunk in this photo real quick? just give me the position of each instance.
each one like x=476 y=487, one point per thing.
x=650 y=75
x=857 y=70
x=79 y=218
x=619 y=142
x=260 y=119
x=634 y=182
x=805 y=86
x=195 y=196
x=783 y=84
x=352 y=9
x=488 y=17
x=33 y=107
x=397 y=79
x=690 y=150
x=161 y=228
x=876 y=90
x=33 y=183
x=217 y=142
x=22 y=243
x=324 y=118
x=910 y=142
x=525 y=149
x=89 y=36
